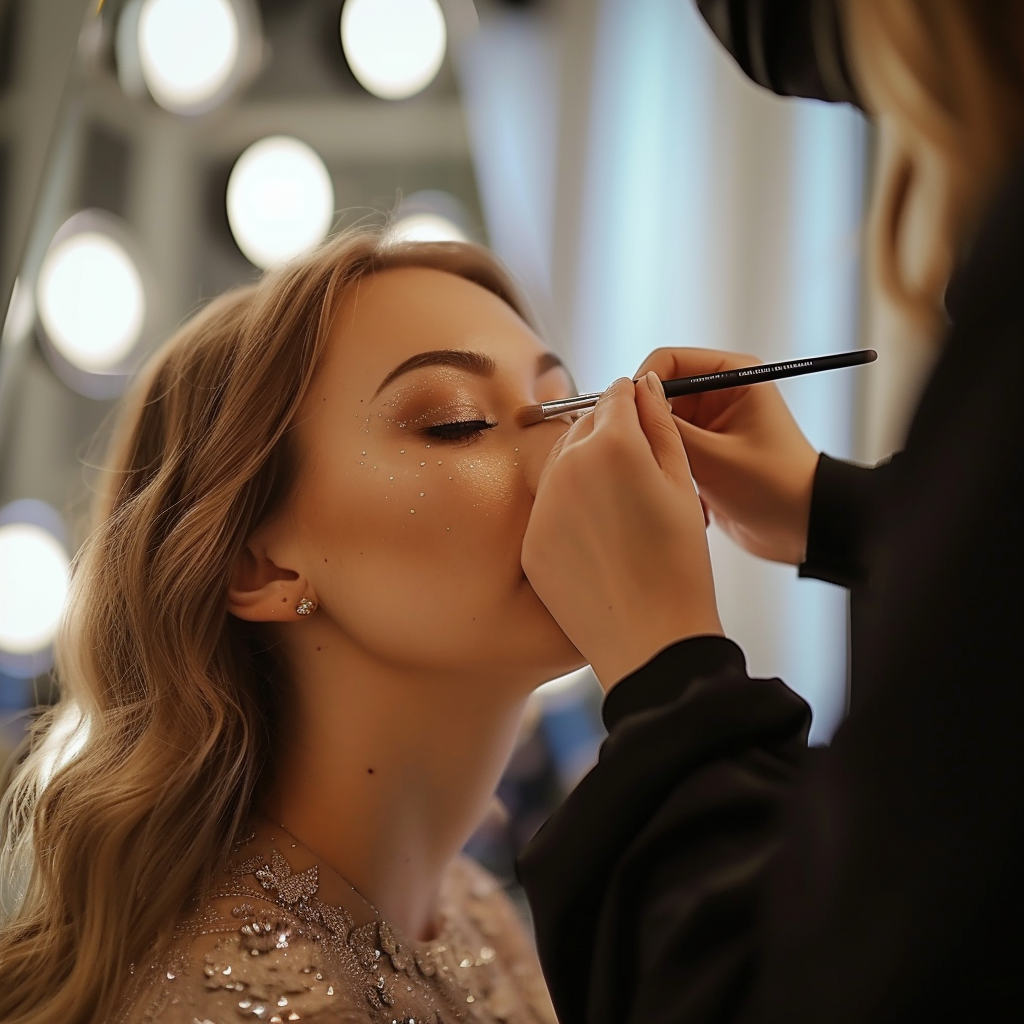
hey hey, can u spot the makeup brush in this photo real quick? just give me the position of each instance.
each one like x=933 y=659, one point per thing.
x=680 y=386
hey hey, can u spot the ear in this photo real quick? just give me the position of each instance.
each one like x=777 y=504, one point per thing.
x=262 y=591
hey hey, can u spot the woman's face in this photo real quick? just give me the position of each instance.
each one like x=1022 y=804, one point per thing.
x=416 y=484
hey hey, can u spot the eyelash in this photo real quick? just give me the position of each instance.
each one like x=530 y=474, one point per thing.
x=461 y=430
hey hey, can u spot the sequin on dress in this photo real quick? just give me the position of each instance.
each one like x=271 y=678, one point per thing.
x=284 y=938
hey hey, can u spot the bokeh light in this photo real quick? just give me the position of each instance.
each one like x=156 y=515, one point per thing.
x=188 y=50
x=431 y=215
x=395 y=48
x=33 y=586
x=427 y=227
x=280 y=200
x=90 y=299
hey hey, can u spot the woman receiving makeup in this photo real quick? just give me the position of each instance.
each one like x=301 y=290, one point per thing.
x=296 y=656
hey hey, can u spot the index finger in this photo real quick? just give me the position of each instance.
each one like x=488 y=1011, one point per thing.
x=617 y=403
x=670 y=363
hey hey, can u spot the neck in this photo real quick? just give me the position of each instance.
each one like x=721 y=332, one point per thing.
x=385 y=773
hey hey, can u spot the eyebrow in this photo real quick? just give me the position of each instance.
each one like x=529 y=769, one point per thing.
x=461 y=359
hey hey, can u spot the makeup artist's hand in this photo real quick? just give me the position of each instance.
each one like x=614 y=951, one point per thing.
x=753 y=465
x=616 y=545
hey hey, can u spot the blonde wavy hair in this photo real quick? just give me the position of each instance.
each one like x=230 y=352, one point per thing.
x=137 y=779
x=949 y=76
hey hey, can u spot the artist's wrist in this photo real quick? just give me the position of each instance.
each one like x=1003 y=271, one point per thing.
x=612 y=662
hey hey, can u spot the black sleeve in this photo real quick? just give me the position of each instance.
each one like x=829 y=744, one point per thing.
x=793 y=47
x=844 y=508
x=641 y=875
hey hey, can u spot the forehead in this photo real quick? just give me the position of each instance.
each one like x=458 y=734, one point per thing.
x=387 y=317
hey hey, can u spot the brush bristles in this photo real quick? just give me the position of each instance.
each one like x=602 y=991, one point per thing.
x=528 y=415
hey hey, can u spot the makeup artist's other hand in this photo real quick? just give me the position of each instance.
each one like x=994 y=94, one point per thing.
x=753 y=465
x=616 y=545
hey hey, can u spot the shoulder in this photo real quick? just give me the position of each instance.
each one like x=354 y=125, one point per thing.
x=251 y=960
x=495 y=928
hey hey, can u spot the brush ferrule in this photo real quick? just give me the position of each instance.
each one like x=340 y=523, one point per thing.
x=563 y=405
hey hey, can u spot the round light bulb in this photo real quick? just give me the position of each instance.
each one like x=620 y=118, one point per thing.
x=280 y=200
x=427 y=227
x=395 y=48
x=33 y=586
x=91 y=300
x=188 y=50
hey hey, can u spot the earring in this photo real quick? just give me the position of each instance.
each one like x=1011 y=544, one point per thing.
x=305 y=607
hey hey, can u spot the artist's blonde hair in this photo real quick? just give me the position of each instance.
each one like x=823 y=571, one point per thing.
x=137 y=780
x=949 y=76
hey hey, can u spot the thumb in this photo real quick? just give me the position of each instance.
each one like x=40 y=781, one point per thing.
x=659 y=426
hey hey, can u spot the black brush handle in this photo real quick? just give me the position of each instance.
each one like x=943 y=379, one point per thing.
x=767 y=371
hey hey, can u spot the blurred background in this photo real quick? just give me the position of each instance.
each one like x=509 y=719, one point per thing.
x=156 y=152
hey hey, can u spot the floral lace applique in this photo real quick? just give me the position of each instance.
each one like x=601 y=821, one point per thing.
x=267 y=946
x=291 y=889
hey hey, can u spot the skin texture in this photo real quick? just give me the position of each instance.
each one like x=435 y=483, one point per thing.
x=409 y=681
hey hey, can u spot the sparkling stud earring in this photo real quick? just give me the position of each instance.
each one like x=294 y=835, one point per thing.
x=305 y=607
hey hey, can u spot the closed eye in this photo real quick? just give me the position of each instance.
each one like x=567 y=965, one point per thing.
x=461 y=430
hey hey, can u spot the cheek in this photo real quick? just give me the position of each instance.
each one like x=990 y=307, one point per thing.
x=418 y=537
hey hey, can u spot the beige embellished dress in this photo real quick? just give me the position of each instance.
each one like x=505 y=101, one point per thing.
x=284 y=938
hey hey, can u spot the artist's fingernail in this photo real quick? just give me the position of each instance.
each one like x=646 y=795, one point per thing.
x=654 y=383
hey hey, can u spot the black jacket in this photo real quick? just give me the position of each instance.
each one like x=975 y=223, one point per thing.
x=712 y=868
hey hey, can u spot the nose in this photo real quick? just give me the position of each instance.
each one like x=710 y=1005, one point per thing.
x=535 y=443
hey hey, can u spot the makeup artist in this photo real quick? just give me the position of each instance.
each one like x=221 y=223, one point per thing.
x=712 y=867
